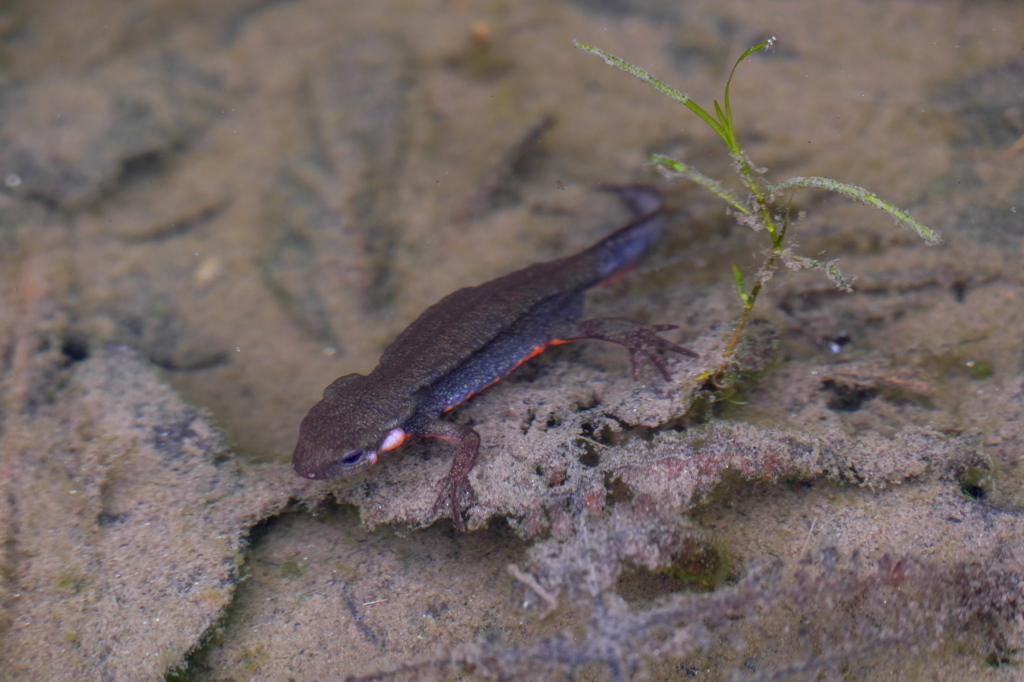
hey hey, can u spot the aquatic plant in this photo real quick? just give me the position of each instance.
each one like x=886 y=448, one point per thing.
x=762 y=210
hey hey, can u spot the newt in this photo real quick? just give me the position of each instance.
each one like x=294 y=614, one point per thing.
x=470 y=340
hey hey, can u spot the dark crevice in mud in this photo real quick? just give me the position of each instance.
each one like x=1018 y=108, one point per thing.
x=74 y=348
x=194 y=364
x=847 y=397
x=608 y=437
x=975 y=482
x=618 y=492
x=592 y=439
x=141 y=167
x=531 y=415
x=180 y=227
x=51 y=376
x=379 y=641
x=959 y=289
x=604 y=435
x=623 y=424
x=104 y=519
x=173 y=439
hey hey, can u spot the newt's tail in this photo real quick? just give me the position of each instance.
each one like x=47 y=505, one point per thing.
x=623 y=249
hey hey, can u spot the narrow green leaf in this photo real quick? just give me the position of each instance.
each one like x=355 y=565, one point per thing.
x=741 y=289
x=726 y=123
x=865 y=197
x=658 y=85
x=728 y=84
x=704 y=181
x=751 y=50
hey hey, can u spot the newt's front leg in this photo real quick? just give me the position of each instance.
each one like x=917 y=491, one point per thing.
x=454 y=491
x=642 y=341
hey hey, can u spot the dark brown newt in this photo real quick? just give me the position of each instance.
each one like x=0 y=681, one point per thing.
x=469 y=340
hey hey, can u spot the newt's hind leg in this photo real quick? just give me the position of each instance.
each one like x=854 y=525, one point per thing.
x=642 y=341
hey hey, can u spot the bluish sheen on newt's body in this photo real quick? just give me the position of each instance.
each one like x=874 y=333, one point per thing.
x=469 y=340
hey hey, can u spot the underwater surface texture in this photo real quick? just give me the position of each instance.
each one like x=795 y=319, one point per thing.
x=210 y=211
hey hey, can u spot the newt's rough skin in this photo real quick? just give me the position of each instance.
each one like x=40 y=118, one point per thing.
x=468 y=341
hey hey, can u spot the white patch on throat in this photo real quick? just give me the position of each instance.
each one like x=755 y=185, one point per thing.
x=393 y=440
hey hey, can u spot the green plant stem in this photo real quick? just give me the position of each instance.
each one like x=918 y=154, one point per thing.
x=748 y=303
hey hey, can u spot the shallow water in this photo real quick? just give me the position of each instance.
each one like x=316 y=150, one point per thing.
x=258 y=196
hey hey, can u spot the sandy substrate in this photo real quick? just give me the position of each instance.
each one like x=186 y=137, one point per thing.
x=209 y=211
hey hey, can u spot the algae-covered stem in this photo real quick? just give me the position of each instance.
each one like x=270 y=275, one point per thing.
x=723 y=125
x=758 y=211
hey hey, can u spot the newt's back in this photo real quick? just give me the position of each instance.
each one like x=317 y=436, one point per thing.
x=466 y=321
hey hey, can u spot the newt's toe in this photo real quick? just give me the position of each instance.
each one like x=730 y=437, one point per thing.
x=453 y=495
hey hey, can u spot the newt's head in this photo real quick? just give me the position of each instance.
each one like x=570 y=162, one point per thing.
x=345 y=431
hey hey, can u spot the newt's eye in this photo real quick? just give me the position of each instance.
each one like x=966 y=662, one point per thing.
x=353 y=457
